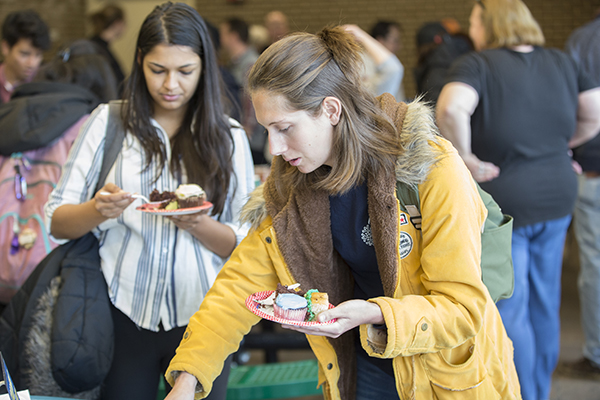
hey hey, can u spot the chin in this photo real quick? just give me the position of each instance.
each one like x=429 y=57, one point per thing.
x=306 y=170
x=171 y=106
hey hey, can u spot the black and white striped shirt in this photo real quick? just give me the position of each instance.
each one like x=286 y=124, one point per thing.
x=155 y=272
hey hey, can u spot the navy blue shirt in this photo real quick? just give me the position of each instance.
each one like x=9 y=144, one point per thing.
x=352 y=239
x=351 y=231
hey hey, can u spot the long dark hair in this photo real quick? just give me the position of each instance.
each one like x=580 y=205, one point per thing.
x=203 y=145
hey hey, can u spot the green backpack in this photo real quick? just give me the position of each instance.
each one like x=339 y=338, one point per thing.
x=496 y=258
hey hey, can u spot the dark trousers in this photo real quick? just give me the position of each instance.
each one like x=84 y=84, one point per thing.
x=141 y=357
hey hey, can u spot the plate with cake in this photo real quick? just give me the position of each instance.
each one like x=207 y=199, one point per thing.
x=186 y=199
x=290 y=305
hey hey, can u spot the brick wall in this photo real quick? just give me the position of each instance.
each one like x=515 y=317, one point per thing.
x=556 y=17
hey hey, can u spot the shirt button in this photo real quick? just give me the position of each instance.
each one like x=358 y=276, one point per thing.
x=268 y=240
x=424 y=327
x=186 y=335
x=165 y=250
x=329 y=366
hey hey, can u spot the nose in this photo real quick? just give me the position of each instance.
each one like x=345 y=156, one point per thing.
x=277 y=145
x=33 y=61
x=170 y=82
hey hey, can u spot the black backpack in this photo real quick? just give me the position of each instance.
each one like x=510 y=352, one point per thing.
x=65 y=302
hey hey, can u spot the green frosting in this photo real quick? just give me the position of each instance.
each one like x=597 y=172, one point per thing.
x=311 y=314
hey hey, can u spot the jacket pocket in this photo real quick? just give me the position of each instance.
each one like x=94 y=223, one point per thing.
x=466 y=380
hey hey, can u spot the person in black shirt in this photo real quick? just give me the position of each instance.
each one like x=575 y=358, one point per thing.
x=512 y=110
x=109 y=25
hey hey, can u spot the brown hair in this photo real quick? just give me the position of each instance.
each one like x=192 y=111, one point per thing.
x=509 y=23
x=304 y=69
x=104 y=18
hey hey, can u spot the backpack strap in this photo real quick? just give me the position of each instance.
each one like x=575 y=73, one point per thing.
x=408 y=196
x=113 y=142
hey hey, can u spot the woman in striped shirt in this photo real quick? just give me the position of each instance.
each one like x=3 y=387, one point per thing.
x=157 y=268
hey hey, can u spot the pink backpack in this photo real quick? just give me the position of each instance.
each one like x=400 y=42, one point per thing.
x=26 y=180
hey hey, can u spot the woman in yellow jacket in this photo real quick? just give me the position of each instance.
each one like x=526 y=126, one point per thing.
x=414 y=320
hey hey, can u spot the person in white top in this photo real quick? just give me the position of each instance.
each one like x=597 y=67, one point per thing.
x=383 y=70
x=158 y=268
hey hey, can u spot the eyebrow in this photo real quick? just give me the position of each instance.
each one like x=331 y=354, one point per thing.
x=277 y=122
x=181 y=66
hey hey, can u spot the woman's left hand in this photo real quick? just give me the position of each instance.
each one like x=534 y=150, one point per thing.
x=189 y=222
x=349 y=314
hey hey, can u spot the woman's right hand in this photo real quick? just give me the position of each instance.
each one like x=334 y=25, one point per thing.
x=482 y=171
x=184 y=389
x=111 y=200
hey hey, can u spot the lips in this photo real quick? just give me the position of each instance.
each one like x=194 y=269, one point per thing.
x=170 y=97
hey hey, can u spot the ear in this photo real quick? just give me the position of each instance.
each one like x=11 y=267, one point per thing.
x=5 y=48
x=139 y=56
x=332 y=107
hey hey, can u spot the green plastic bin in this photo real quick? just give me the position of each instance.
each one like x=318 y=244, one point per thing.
x=282 y=380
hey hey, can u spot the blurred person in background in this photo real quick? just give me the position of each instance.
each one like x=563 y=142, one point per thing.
x=39 y=125
x=584 y=46
x=109 y=25
x=232 y=101
x=25 y=37
x=234 y=35
x=277 y=26
x=513 y=110
x=388 y=33
x=258 y=37
x=383 y=71
x=437 y=48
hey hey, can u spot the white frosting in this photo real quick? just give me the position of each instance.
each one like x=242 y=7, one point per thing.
x=185 y=191
x=289 y=300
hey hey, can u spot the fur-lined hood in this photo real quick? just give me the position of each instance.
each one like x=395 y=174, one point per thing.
x=416 y=124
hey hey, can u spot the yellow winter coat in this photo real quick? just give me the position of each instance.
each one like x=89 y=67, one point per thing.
x=443 y=329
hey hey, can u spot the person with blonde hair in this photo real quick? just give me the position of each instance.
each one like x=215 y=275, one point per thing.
x=413 y=318
x=513 y=110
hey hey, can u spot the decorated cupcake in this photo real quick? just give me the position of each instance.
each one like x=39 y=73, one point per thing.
x=290 y=306
x=190 y=196
x=317 y=303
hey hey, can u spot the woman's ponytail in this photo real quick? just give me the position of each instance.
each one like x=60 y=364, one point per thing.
x=344 y=50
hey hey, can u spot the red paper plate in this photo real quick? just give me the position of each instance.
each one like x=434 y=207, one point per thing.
x=257 y=309
x=152 y=208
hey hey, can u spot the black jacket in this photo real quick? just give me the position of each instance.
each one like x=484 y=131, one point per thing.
x=40 y=112
x=49 y=345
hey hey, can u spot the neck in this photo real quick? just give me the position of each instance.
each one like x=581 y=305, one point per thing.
x=170 y=121
x=523 y=48
x=107 y=35
x=11 y=79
